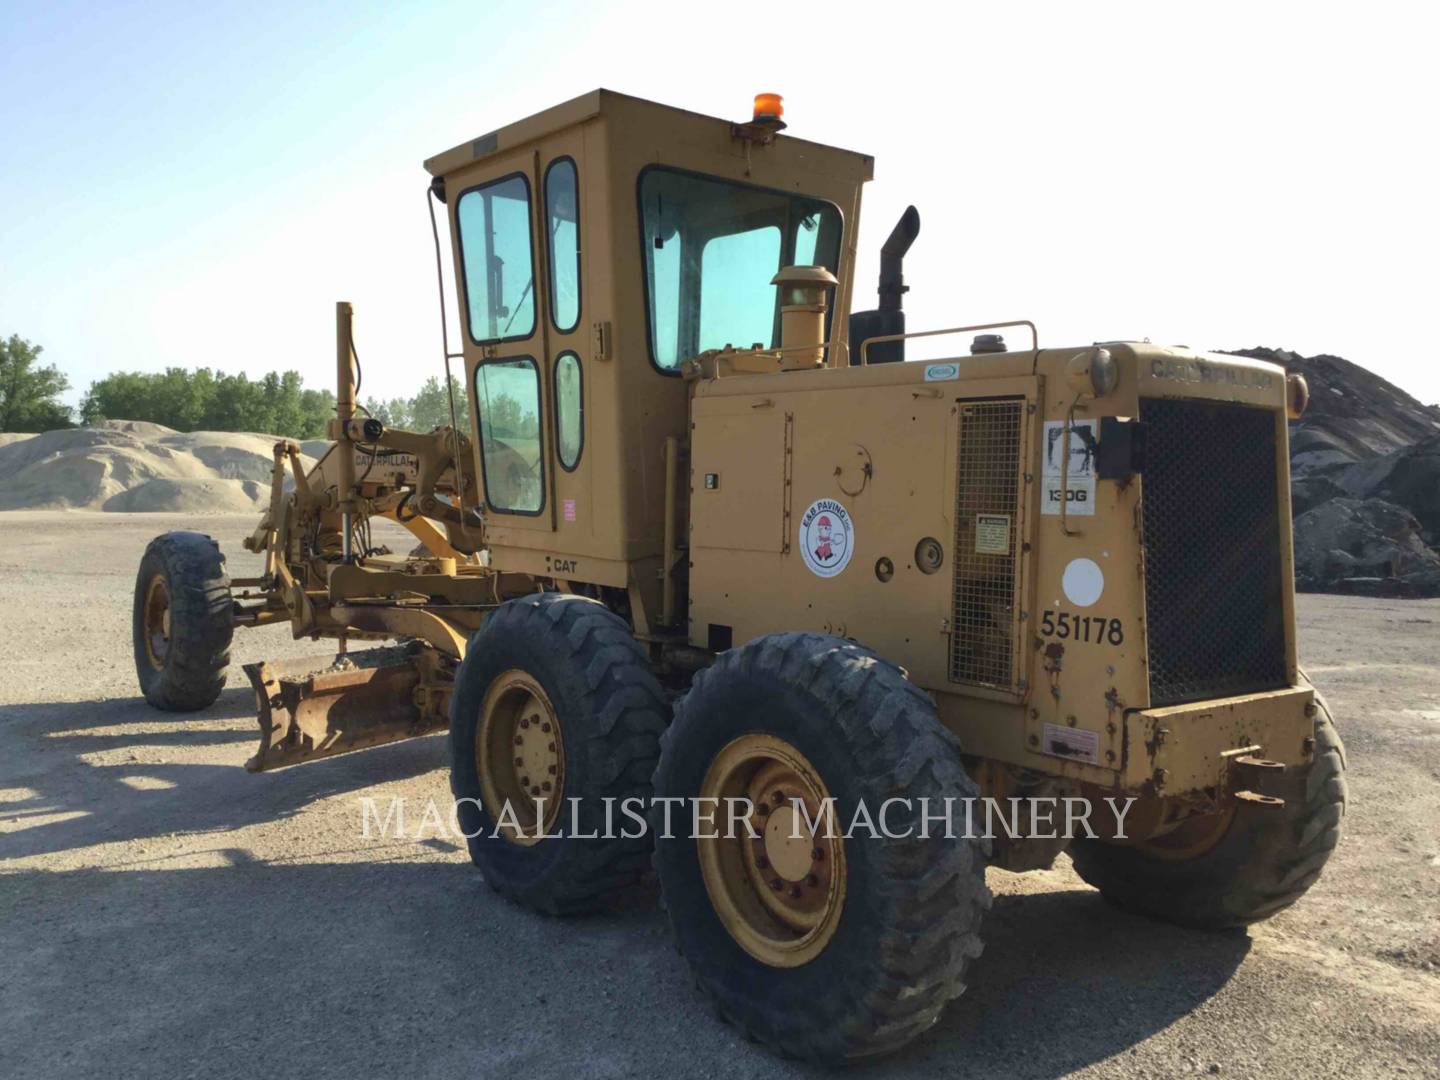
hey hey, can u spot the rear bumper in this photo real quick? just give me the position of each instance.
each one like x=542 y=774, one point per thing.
x=1186 y=748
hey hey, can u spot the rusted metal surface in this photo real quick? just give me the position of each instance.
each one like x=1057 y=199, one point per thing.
x=1254 y=798
x=322 y=706
x=1239 y=742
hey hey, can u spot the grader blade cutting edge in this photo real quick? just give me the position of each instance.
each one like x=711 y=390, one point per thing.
x=321 y=706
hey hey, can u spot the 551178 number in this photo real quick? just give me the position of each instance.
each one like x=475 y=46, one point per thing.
x=1095 y=629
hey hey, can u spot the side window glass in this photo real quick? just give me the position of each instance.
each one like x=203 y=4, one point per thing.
x=711 y=247
x=508 y=395
x=494 y=222
x=737 y=301
x=562 y=210
x=664 y=264
x=569 y=410
x=807 y=239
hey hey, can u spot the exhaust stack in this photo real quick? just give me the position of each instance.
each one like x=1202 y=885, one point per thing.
x=889 y=317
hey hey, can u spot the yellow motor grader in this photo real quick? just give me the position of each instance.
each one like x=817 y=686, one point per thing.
x=711 y=541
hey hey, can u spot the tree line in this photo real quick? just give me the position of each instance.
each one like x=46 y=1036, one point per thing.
x=200 y=399
x=205 y=400
x=30 y=393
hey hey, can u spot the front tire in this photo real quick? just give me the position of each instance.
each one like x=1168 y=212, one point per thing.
x=555 y=701
x=1264 y=862
x=182 y=622
x=851 y=947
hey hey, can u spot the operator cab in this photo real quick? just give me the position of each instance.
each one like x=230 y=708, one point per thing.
x=598 y=246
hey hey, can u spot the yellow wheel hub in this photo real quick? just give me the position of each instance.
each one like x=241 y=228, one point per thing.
x=520 y=758
x=156 y=619
x=1193 y=837
x=780 y=891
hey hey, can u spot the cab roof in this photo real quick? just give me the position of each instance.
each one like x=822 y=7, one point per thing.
x=576 y=111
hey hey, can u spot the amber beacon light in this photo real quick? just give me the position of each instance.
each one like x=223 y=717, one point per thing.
x=770 y=109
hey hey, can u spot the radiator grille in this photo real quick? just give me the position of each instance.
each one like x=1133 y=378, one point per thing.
x=1213 y=591
x=983 y=638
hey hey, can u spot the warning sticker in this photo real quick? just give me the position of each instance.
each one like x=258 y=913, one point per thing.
x=1077 y=744
x=827 y=538
x=1079 y=475
x=992 y=534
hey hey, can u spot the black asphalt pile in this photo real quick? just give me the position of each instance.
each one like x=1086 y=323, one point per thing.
x=1365 y=467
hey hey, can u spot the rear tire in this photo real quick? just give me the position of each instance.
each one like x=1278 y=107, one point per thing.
x=182 y=622
x=1266 y=860
x=909 y=909
x=577 y=664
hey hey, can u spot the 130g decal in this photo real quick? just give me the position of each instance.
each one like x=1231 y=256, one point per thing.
x=1072 y=626
x=1077 y=493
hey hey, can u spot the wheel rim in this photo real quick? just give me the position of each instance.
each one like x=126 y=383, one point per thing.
x=156 y=622
x=1192 y=838
x=780 y=896
x=520 y=757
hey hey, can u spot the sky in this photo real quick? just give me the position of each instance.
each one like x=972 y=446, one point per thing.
x=191 y=184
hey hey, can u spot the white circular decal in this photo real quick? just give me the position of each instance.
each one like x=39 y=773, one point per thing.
x=1083 y=582
x=827 y=537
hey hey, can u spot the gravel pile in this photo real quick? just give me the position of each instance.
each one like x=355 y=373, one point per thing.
x=127 y=465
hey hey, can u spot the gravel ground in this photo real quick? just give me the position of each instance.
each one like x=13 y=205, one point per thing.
x=164 y=913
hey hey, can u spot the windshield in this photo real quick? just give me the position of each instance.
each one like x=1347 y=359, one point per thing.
x=711 y=248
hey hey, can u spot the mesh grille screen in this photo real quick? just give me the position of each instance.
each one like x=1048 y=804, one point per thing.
x=983 y=637
x=1213 y=590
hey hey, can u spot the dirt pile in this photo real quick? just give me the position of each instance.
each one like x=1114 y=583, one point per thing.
x=1365 y=465
x=1365 y=546
x=127 y=465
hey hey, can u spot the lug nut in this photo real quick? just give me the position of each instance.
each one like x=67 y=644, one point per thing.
x=795 y=892
x=525 y=781
x=534 y=791
x=519 y=761
x=812 y=880
x=552 y=770
x=519 y=741
x=817 y=853
x=552 y=747
x=545 y=727
x=546 y=785
x=775 y=884
x=524 y=723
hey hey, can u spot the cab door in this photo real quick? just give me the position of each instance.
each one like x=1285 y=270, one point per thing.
x=567 y=341
x=501 y=260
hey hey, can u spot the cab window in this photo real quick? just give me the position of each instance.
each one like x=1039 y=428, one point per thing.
x=569 y=410
x=507 y=393
x=736 y=297
x=711 y=247
x=562 y=213
x=495 y=257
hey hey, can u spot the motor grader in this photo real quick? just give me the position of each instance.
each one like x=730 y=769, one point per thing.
x=711 y=537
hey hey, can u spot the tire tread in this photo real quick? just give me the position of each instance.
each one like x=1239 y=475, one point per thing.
x=201 y=622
